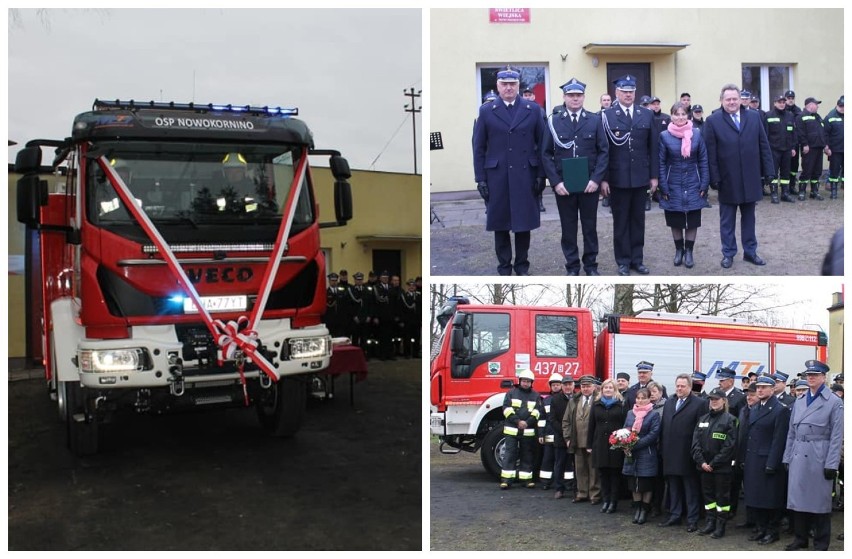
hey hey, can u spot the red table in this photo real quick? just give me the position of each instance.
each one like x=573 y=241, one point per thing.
x=346 y=359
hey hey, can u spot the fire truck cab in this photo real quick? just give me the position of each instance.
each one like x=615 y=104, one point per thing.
x=476 y=359
x=180 y=262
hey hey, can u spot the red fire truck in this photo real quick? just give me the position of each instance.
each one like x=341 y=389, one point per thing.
x=180 y=262
x=475 y=359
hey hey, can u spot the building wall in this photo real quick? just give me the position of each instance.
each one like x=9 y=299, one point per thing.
x=835 y=336
x=387 y=215
x=810 y=40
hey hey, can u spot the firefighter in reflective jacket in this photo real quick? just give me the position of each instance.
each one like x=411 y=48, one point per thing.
x=546 y=432
x=522 y=410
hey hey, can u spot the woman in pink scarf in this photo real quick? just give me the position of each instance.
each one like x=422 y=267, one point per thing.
x=684 y=181
x=641 y=469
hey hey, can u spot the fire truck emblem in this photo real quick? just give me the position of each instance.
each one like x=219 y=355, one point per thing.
x=493 y=368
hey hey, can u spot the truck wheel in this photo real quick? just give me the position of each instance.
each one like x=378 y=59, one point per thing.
x=283 y=412
x=82 y=432
x=493 y=451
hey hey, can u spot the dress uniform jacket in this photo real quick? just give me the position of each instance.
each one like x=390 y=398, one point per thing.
x=736 y=402
x=676 y=435
x=764 y=448
x=645 y=458
x=506 y=156
x=739 y=159
x=633 y=152
x=602 y=422
x=814 y=443
x=587 y=139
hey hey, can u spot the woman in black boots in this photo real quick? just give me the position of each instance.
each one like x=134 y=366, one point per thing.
x=641 y=467
x=684 y=181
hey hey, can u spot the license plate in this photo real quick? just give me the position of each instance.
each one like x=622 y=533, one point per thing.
x=218 y=304
x=437 y=422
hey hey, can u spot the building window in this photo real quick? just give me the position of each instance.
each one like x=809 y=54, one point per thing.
x=766 y=81
x=533 y=77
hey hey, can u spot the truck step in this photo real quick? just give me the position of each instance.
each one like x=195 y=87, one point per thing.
x=208 y=400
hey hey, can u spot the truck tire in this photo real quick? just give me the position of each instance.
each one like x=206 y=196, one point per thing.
x=493 y=451
x=283 y=413
x=82 y=431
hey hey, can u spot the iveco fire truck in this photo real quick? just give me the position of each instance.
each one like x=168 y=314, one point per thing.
x=180 y=262
x=474 y=361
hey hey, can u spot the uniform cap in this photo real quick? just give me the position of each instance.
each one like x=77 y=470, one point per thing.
x=358 y=275
x=779 y=97
x=745 y=94
x=699 y=376
x=779 y=376
x=490 y=96
x=555 y=377
x=332 y=276
x=344 y=273
x=725 y=372
x=752 y=375
x=654 y=99
x=573 y=86
x=411 y=282
x=644 y=366
x=508 y=74
x=812 y=100
x=644 y=100
x=588 y=379
x=790 y=94
x=838 y=377
x=625 y=83
x=814 y=367
x=840 y=101
x=567 y=378
x=527 y=90
x=697 y=109
x=764 y=380
x=716 y=393
x=526 y=374
x=801 y=384
x=625 y=376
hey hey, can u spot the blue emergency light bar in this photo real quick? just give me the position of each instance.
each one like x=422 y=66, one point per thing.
x=101 y=104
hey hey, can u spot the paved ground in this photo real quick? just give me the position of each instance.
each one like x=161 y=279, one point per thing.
x=793 y=239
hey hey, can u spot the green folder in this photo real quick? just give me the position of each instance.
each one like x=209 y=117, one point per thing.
x=575 y=173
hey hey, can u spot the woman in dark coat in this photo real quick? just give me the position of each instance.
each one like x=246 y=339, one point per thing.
x=642 y=466
x=607 y=415
x=684 y=181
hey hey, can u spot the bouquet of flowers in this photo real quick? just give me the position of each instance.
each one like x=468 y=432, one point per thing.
x=624 y=439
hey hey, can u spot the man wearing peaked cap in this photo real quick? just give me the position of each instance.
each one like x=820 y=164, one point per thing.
x=795 y=111
x=334 y=315
x=811 y=137
x=780 y=131
x=563 y=463
x=573 y=132
x=644 y=374
x=575 y=431
x=633 y=169
x=622 y=381
x=506 y=146
x=736 y=398
x=813 y=454
x=490 y=96
x=698 y=380
x=834 y=150
x=780 y=385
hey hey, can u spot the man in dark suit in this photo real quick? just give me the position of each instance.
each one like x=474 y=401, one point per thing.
x=764 y=478
x=633 y=169
x=575 y=132
x=680 y=416
x=740 y=158
x=506 y=168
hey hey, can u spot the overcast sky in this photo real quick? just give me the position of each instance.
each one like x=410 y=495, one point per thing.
x=346 y=70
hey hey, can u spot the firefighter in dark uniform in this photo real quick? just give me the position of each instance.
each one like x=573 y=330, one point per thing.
x=811 y=134
x=334 y=307
x=698 y=380
x=780 y=384
x=573 y=132
x=383 y=318
x=521 y=412
x=410 y=308
x=834 y=135
x=763 y=474
x=359 y=300
x=780 y=131
x=793 y=109
x=633 y=168
x=563 y=463
x=546 y=433
x=736 y=398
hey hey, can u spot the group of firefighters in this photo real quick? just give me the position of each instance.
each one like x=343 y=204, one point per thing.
x=689 y=453
x=378 y=315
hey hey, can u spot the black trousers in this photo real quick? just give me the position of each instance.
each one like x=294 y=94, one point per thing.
x=835 y=167
x=503 y=247
x=628 y=225
x=586 y=205
x=811 y=167
x=563 y=466
x=803 y=522
x=610 y=482
x=685 y=490
x=781 y=163
x=716 y=490
x=515 y=446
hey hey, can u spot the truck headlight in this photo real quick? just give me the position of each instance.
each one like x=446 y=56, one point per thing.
x=112 y=360
x=309 y=348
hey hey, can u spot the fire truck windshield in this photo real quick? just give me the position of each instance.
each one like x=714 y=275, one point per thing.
x=197 y=186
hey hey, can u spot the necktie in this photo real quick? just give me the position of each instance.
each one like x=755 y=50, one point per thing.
x=586 y=402
x=574 y=118
x=679 y=404
x=736 y=117
x=629 y=115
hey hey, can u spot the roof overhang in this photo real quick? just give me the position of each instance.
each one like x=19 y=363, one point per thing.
x=365 y=239
x=634 y=48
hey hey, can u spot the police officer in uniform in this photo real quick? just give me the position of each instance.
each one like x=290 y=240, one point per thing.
x=633 y=168
x=334 y=302
x=811 y=135
x=793 y=109
x=736 y=398
x=780 y=131
x=410 y=307
x=834 y=135
x=645 y=373
x=698 y=380
x=521 y=412
x=572 y=131
x=780 y=384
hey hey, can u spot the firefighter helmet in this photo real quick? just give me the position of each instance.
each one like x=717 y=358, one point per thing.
x=555 y=377
x=526 y=374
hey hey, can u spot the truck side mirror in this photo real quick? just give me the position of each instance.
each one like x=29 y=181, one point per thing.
x=457 y=340
x=339 y=167
x=28 y=160
x=342 y=201
x=32 y=195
